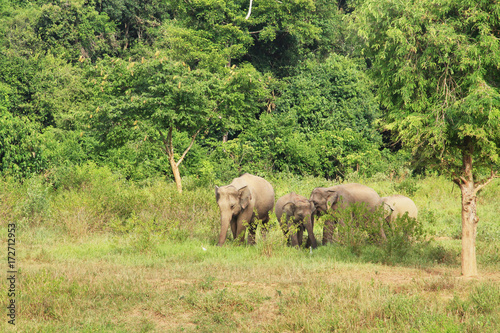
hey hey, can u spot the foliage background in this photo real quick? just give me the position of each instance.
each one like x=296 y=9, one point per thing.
x=284 y=90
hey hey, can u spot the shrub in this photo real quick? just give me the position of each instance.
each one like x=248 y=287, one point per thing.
x=357 y=226
x=408 y=186
x=360 y=229
x=36 y=204
x=20 y=146
x=402 y=233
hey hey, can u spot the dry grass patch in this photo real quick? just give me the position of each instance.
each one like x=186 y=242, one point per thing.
x=236 y=289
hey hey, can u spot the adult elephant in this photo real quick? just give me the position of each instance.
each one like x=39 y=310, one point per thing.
x=398 y=205
x=331 y=199
x=298 y=217
x=247 y=197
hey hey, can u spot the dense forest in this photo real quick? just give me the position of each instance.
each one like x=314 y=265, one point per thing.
x=209 y=89
x=133 y=84
x=224 y=88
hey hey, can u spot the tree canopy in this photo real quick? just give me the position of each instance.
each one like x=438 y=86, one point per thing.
x=437 y=68
x=131 y=83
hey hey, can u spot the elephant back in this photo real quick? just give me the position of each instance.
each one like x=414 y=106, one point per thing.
x=262 y=191
x=280 y=204
x=401 y=204
x=360 y=193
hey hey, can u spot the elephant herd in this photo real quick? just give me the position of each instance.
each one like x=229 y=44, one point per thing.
x=250 y=197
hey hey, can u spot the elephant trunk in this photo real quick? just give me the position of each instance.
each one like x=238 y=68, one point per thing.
x=225 y=221
x=310 y=233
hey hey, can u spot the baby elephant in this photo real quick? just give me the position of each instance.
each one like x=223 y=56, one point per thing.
x=397 y=205
x=299 y=213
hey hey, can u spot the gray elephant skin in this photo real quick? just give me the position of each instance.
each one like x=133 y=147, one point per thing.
x=330 y=199
x=297 y=213
x=397 y=205
x=247 y=198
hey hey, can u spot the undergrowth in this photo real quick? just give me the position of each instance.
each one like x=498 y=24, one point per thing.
x=100 y=253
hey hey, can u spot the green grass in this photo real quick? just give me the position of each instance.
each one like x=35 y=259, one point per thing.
x=103 y=283
x=143 y=259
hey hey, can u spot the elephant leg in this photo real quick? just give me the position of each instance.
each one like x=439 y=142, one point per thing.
x=293 y=231
x=287 y=231
x=283 y=227
x=328 y=232
x=265 y=226
x=252 y=226
x=300 y=235
x=311 y=240
x=245 y=218
x=234 y=227
x=382 y=233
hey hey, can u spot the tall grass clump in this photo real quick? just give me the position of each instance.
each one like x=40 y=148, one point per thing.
x=10 y=195
x=35 y=207
x=82 y=200
x=368 y=236
x=403 y=232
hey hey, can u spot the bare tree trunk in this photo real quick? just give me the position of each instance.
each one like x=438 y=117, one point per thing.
x=469 y=230
x=469 y=190
x=169 y=148
x=469 y=211
x=177 y=174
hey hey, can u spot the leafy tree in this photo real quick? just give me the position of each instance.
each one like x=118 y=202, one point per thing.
x=45 y=89
x=331 y=95
x=17 y=32
x=437 y=66
x=274 y=37
x=75 y=30
x=211 y=49
x=156 y=98
x=323 y=122
x=20 y=145
x=135 y=19
x=39 y=92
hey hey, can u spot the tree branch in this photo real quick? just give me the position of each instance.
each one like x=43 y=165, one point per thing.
x=168 y=144
x=485 y=182
x=249 y=10
x=190 y=145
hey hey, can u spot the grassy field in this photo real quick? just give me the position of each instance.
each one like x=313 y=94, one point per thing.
x=98 y=254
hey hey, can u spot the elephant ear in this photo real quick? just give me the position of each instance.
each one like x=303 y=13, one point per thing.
x=245 y=196
x=313 y=207
x=388 y=209
x=289 y=208
x=333 y=197
x=217 y=196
